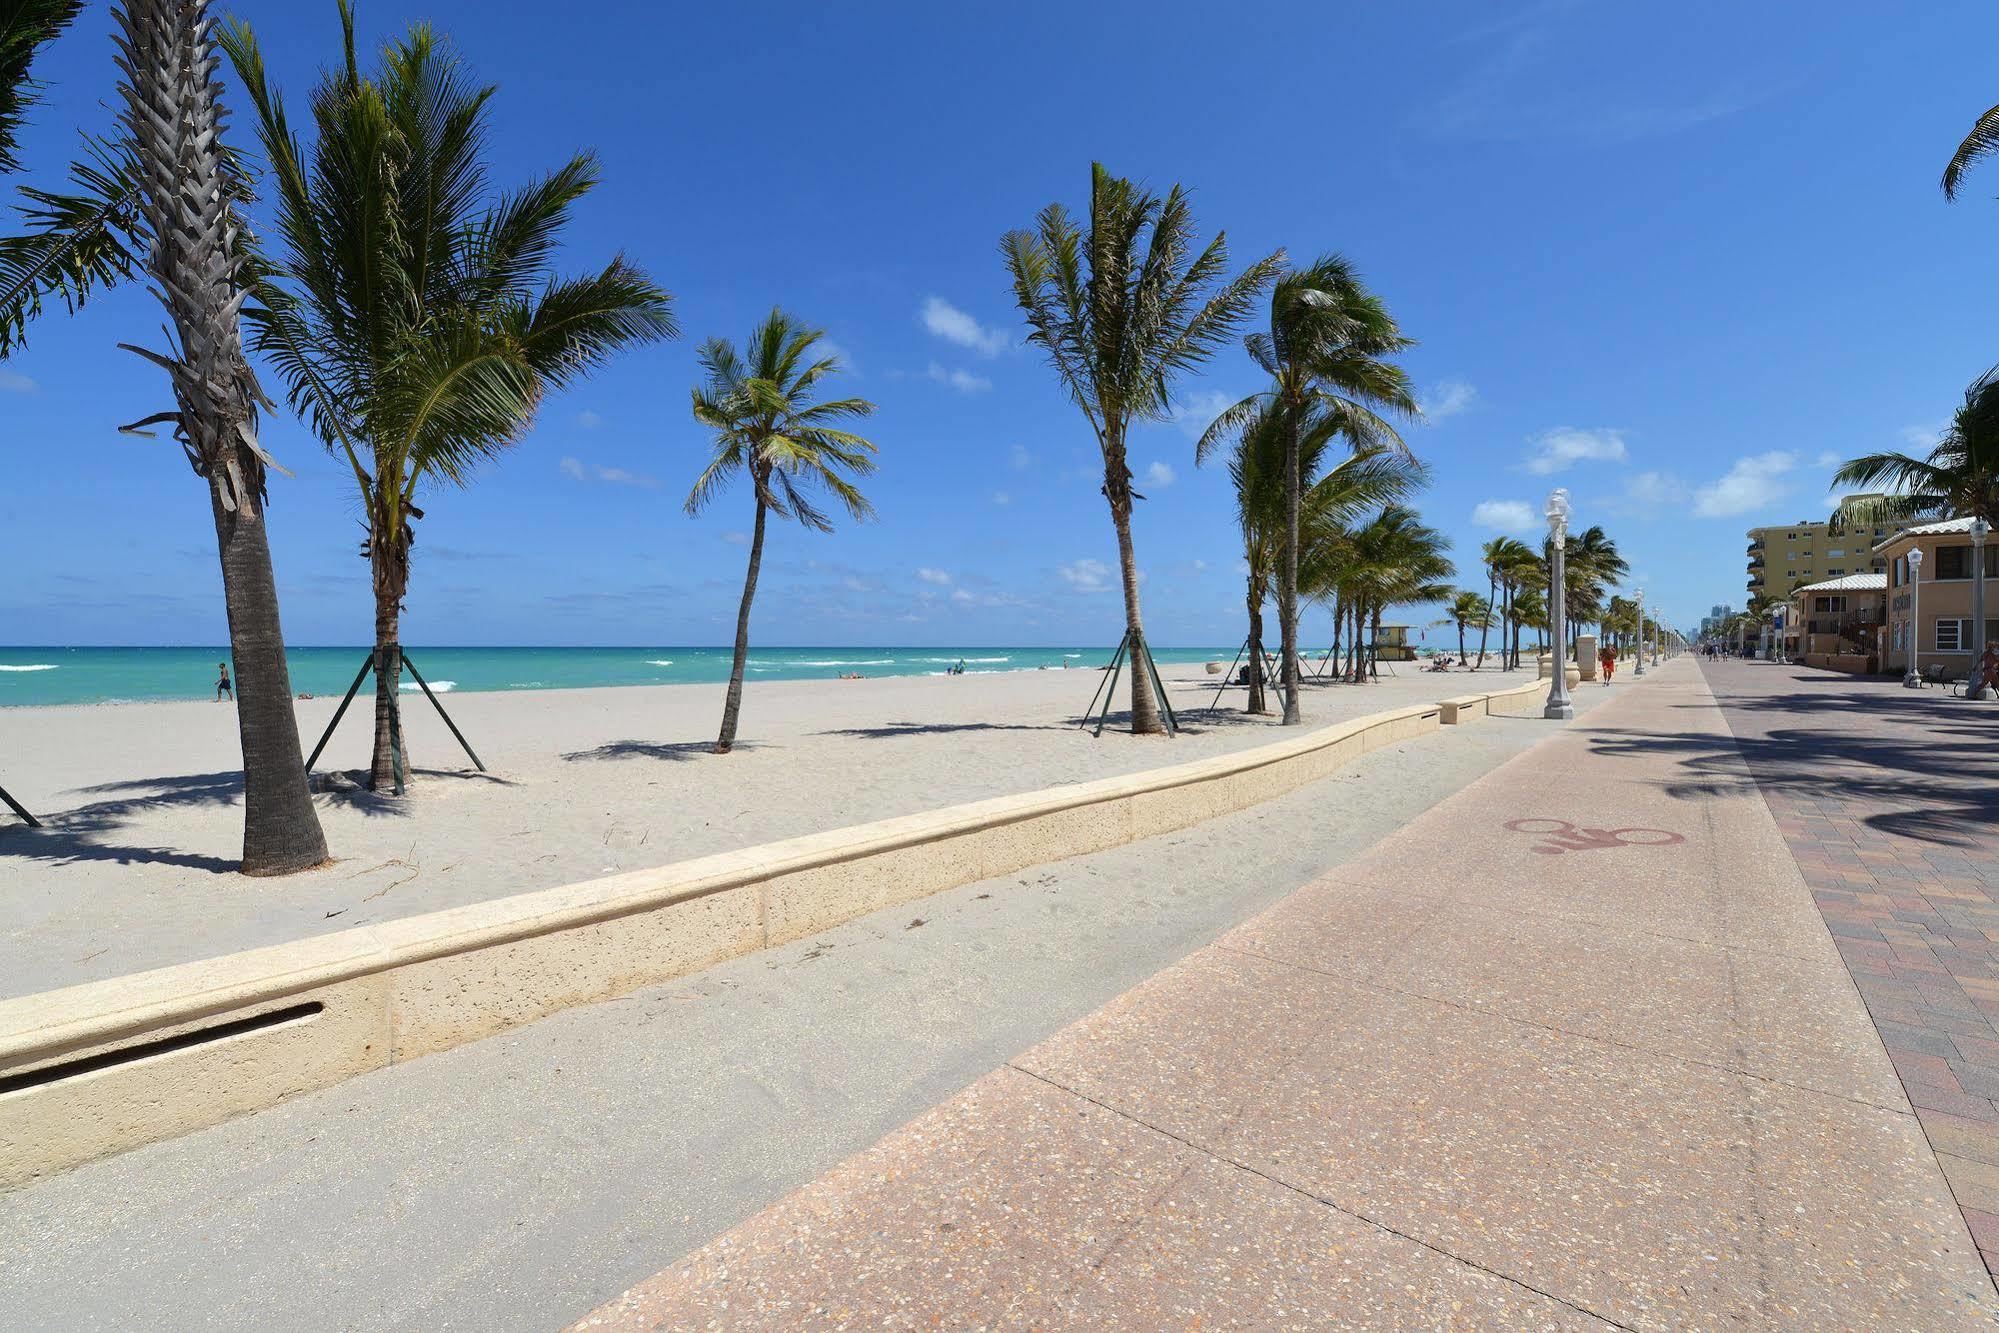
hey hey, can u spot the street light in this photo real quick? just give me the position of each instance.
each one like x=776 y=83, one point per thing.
x=1980 y=530
x=1914 y=678
x=1558 y=706
x=1640 y=669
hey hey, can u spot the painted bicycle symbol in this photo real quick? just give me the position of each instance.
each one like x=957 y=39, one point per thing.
x=1559 y=836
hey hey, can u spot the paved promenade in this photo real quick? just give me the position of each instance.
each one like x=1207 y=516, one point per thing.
x=1889 y=800
x=1571 y=1049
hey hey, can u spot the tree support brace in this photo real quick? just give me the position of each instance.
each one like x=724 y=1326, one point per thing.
x=19 y=809
x=398 y=760
x=1141 y=657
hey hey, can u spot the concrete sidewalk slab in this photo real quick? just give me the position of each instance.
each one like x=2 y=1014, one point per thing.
x=1616 y=1081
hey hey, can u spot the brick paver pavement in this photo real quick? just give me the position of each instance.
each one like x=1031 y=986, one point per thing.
x=1889 y=800
x=1573 y=1049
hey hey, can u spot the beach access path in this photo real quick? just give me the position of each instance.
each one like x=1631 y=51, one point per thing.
x=143 y=802
x=516 y=1182
x=1572 y=1049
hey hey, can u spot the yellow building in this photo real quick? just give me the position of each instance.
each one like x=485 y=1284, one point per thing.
x=1945 y=637
x=1789 y=554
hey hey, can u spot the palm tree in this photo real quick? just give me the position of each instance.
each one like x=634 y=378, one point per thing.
x=1391 y=560
x=766 y=424
x=1121 y=310
x=1325 y=346
x=1982 y=142
x=1256 y=467
x=1515 y=565
x=1957 y=478
x=1467 y=611
x=411 y=309
x=76 y=243
x=1592 y=566
x=166 y=200
x=1530 y=611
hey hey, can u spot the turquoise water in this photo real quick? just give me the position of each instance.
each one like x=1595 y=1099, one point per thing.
x=100 y=675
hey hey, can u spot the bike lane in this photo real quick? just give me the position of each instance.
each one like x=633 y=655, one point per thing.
x=1572 y=1048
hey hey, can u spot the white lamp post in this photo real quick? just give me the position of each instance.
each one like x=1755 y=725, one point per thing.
x=1913 y=679
x=1980 y=530
x=1639 y=670
x=1558 y=705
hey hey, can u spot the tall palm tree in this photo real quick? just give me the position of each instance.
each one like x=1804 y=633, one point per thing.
x=167 y=199
x=767 y=425
x=1121 y=308
x=1468 y=610
x=1514 y=564
x=1959 y=477
x=411 y=308
x=1325 y=347
x=1393 y=559
x=1530 y=611
x=1256 y=465
x=26 y=26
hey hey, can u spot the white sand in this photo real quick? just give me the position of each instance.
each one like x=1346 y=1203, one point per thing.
x=142 y=801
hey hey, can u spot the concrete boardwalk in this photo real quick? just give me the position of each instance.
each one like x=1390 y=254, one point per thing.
x=1483 y=1075
x=1889 y=799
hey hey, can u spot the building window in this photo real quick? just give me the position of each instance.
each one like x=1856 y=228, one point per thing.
x=1950 y=636
x=1953 y=562
x=1837 y=552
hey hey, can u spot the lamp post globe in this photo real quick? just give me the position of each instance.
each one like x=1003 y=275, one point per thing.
x=1639 y=670
x=1558 y=705
x=1976 y=688
x=1914 y=678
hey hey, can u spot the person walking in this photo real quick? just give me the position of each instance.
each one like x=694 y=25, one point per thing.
x=1606 y=657
x=223 y=689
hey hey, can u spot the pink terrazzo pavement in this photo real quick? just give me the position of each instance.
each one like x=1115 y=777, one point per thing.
x=1459 y=1083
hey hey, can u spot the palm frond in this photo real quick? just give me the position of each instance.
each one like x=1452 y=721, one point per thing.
x=1981 y=143
x=26 y=26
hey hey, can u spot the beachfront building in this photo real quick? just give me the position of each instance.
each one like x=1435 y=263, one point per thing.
x=1838 y=623
x=1784 y=556
x=1715 y=623
x=1945 y=636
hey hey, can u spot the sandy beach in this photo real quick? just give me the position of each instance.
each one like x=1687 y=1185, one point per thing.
x=135 y=868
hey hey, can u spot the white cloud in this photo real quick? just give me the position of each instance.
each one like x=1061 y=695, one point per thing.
x=962 y=597
x=954 y=325
x=964 y=381
x=826 y=347
x=736 y=538
x=1160 y=474
x=1827 y=458
x=13 y=381
x=1020 y=458
x=1751 y=483
x=1650 y=490
x=1198 y=410
x=1505 y=515
x=937 y=576
x=1447 y=399
x=616 y=476
x=1087 y=576
x=588 y=420
x=1002 y=498
x=1556 y=449
x=1923 y=438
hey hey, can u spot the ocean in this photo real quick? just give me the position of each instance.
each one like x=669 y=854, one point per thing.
x=106 y=675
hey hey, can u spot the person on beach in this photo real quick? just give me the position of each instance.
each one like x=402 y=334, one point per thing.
x=222 y=685
x=1607 y=658
x=1988 y=666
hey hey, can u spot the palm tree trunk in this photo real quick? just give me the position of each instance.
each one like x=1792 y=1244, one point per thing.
x=1461 y=641
x=1287 y=586
x=172 y=116
x=732 y=704
x=1491 y=589
x=389 y=568
x=281 y=832
x=1145 y=720
x=1257 y=703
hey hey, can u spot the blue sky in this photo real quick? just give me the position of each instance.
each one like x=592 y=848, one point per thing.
x=1675 y=257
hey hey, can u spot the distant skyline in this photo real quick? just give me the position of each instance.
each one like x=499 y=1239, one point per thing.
x=1682 y=261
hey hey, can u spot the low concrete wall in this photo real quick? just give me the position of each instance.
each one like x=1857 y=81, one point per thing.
x=1856 y=664
x=91 y=1070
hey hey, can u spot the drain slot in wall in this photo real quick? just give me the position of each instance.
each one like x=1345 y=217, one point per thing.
x=89 y=1064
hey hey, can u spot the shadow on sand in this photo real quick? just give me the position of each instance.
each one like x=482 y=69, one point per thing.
x=671 y=750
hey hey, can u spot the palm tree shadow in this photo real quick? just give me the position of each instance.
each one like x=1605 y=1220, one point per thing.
x=350 y=789
x=671 y=750
x=79 y=835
